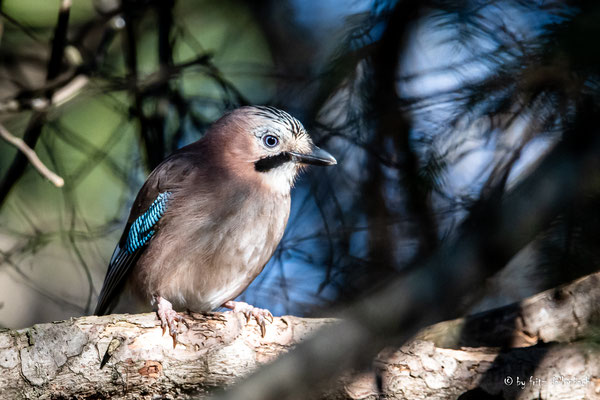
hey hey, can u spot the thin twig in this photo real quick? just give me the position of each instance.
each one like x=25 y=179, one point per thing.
x=31 y=156
x=38 y=118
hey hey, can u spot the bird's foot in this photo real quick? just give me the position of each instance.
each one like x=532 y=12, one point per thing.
x=261 y=315
x=169 y=318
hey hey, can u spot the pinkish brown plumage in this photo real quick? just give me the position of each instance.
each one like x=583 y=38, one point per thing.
x=210 y=216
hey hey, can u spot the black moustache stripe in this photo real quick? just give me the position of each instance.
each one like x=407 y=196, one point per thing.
x=268 y=163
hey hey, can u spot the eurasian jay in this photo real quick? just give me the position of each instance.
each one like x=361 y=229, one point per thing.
x=209 y=217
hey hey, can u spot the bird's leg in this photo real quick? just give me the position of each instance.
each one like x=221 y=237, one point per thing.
x=168 y=317
x=260 y=314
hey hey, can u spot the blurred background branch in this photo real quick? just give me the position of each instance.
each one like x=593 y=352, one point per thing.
x=32 y=157
x=37 y=119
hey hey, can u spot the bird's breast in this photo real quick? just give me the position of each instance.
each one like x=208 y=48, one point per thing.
x=246 y=246
x=205 y=259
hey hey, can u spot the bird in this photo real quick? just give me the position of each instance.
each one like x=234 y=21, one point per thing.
x=210 y=216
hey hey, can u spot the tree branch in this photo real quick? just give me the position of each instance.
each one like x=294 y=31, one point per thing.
x=36 y=122
x=421 y=370
x=504 y=351
x=63 y=359
x=31 y=156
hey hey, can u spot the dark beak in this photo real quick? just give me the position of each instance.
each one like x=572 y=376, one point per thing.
x=316 y=157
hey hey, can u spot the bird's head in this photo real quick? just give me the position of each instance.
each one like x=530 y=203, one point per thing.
x=267 y=144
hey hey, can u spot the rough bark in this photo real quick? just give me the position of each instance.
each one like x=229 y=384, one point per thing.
x=62 y=359
x=420 y=370
x=543 y=347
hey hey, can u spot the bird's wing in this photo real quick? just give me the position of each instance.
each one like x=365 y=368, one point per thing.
x=148 y=208
x=126 y=254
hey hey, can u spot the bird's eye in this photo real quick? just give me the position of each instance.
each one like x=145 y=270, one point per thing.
x=270 y=140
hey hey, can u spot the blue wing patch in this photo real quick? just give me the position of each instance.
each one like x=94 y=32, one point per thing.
x=141 y=229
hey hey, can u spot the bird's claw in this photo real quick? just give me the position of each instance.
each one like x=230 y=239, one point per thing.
x=169 y=318
x=261 y=315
